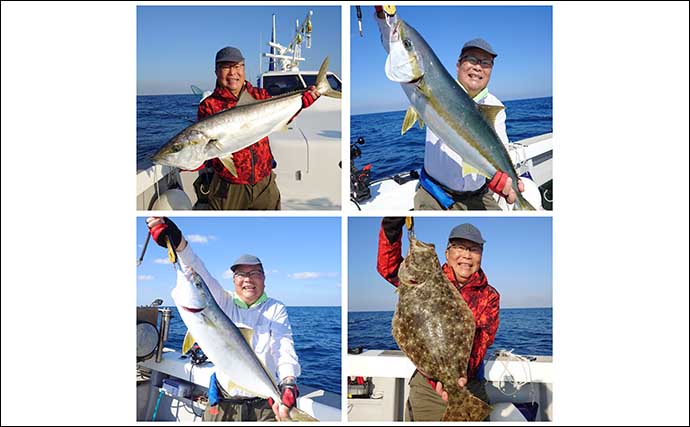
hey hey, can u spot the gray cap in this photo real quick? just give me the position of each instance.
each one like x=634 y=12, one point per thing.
x=229 y=54
x=479 y=44
x=245 y=259
x=467 y=232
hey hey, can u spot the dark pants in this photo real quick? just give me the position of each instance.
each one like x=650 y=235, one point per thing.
x=254 y=409
x=264 y=195
x=424 y=404
x=477 y=201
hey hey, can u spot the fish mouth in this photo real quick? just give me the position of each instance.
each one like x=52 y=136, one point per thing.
x=191 y=309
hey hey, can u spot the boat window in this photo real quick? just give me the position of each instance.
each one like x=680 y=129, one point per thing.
x=310 y=80
x=276 y=85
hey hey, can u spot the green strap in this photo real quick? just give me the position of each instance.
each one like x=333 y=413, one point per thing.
x=241 y=304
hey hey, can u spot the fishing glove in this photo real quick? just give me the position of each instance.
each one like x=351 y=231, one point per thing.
x=498 y=183
x=167 y=228
x=392 y=227
x=288 y=393
x=308 y=98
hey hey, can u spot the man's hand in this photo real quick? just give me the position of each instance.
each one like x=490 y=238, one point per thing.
x=162 y=227
x=438 y=388
x=288 y=399
x=502 y=185
x=310 y=96
x=392 y=227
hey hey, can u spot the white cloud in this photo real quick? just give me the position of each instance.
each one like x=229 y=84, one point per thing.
x=305 y=275
x=161 y=261
x=145 y=277
x=198 y=238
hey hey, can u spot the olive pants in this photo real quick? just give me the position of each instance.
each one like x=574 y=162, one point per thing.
x=264 y=195
x=424 y=404
x=240 y=410
x=475 y=202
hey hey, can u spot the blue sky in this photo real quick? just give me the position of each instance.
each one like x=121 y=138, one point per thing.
x=520 y=35
x=517 y=259
x=176 y=45
x=301 y=256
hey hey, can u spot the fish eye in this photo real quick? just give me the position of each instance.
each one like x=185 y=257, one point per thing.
x=176 y=147
x=407 y=43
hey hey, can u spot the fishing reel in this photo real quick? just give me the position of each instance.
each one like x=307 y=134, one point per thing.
x=359 y=179
x=197 y=355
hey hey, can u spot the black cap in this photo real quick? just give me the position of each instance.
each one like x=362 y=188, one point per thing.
x=229 y=54
x=467 y=232
x=479 y=44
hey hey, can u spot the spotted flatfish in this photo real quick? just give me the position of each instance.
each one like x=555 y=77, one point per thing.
x=434 y=327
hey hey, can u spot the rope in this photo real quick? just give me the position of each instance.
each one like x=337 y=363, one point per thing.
x=517 y=385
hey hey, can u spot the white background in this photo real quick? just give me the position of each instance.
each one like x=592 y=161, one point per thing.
x=620 y=221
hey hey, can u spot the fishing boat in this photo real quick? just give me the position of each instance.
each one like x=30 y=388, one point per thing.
x=533 y=156
x=519 y=388
x=308 y=154
x=174 y=387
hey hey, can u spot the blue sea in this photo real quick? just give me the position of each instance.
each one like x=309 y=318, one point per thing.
x=159 y=118
x=389 y=153
x=527 y=331
x=316 y=332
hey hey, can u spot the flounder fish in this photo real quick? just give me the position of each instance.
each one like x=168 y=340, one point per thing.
x=434 y=327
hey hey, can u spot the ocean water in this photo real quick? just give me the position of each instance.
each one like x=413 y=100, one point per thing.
x=389 y=153
x=316 y=332
x=159 y=118
x=527 y=331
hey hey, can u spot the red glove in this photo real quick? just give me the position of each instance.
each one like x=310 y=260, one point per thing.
x=288 y=394
x=378 y=9
x=498 y=183
x=308 y=98
x=166 y=228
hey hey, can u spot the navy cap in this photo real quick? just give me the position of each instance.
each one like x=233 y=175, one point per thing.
x=245 y=259
x=229 y=54
x=467 y=232
x=479 y=44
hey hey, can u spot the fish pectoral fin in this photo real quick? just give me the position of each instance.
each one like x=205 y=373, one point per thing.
x=489 y=112
x=467 y=168
x=245 y=99
x=247 y=334
x=188 y=342
x=410 y=118
x=229 y=164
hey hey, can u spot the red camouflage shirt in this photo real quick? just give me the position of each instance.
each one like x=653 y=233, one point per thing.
x=253 y=163
x=482 y=298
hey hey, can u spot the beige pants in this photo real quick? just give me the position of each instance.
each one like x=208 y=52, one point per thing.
x=424 y=404
x=264 y=195
x=480 y=202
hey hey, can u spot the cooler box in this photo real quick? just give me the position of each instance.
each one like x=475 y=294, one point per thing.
x=177 y=388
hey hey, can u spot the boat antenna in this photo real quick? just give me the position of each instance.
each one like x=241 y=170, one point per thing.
x=288 y=58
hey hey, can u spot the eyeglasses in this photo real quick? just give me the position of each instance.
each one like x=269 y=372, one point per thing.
x=254 y=274
x=229 y=65
x=474 y=250
x=485 y=63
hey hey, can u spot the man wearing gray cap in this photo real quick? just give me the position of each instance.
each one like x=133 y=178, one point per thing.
x=445 y=183
x=254 y=186
x=444 y=167
x=427 y=400
x=247 y=307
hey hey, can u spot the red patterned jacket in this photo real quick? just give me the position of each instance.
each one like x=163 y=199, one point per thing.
x=481 y=297
x=253 y=163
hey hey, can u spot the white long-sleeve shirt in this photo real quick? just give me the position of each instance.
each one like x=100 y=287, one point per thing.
x=272 y=339
x=445 y=165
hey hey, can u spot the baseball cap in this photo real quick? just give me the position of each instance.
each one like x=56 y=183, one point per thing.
x=245 y=259
x=467 y=232
x=479 y=44
x=229 y=54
